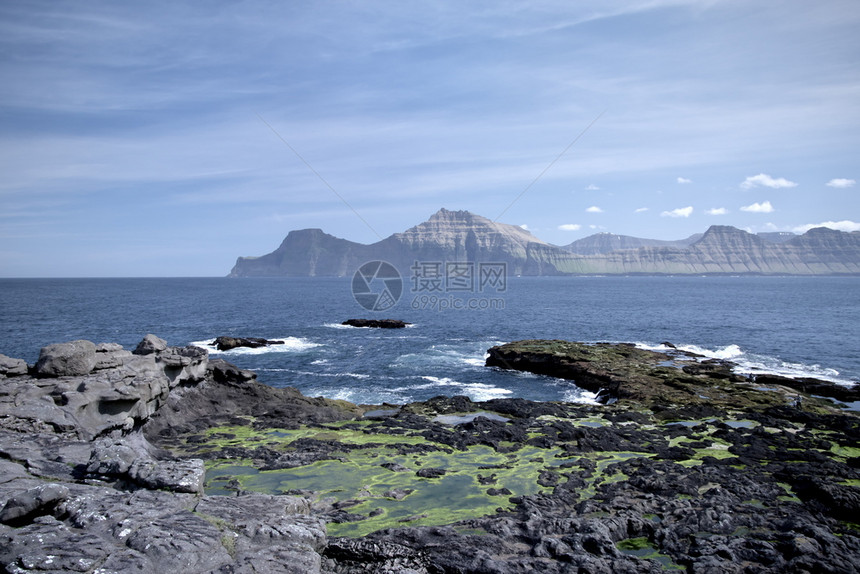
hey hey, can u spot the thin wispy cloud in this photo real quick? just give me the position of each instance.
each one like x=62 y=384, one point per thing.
x=110 y=108
x=570 y=227
x=680 y=212
x=763 y=207
x=593 y=209
x=717 y=211
x=765 y=180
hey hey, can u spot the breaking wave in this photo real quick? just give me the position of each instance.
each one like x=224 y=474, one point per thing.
x=757 y=364
x=289 y=345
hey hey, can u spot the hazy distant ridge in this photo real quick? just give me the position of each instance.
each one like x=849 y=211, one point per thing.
x=464 y=236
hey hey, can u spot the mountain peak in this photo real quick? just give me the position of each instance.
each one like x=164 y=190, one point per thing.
x=464 y=237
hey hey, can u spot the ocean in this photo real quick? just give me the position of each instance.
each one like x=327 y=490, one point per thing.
x=802 y=326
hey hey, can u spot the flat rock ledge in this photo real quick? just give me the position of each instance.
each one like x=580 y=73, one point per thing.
x=658 y=380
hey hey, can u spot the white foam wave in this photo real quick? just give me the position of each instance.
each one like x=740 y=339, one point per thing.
x=446 y=355
x=342 y=326
x=750 y=363
x=580 y=396
x=338 y=326
x=320 y=374
x=289 y=345
x=475 y=391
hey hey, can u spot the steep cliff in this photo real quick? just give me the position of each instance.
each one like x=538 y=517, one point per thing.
x=451 y=236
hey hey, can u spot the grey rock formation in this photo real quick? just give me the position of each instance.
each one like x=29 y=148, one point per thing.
x=69 y=503
x=132 y=458
x=150 y=344
x=460 y=236
x=66 y=359
x=39 y=500
x=98 y=401
x=10 y=367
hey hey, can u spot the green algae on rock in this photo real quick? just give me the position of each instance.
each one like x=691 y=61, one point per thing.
x=690 y=467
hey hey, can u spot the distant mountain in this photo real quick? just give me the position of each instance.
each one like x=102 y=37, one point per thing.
x=446 y=236
x=451 y=236
x=609 y=242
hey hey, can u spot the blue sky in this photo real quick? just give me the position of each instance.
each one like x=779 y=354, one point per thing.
x=135 y=138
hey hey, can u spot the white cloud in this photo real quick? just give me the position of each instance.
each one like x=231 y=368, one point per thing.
x=844 y=225
x=570 y=227
x=524 y=226
x=717 y=211
x=640 y=209
x=684 y=180
x=841 y=183
x=594 y=209
x=680 y=212
x=592 y=187
x=767 y=181
x=763 y=207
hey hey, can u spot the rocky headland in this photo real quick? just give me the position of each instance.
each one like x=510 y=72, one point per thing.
x=162 y=459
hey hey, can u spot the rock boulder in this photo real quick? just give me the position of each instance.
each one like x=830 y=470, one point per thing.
x=70 y=359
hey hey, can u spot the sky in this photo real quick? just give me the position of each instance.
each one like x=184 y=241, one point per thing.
x=169 y=138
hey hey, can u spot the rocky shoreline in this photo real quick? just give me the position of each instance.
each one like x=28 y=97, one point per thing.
x=162 y=459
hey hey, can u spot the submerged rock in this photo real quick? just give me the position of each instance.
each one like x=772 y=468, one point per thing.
x=376 y=323
x=225 y=343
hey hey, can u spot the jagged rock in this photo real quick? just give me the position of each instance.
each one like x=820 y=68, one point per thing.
x=225 y=343
x=10 y=367
x=66 y=359
x=112 y=457
x=223 y=372
x=131 y=458
x=34 y=502
x=110 y=356
x=103 y=400
x=150 y=344
x=376 y=323
x=178 y=476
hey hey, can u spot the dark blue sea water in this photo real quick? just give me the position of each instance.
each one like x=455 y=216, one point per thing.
x=791 y=325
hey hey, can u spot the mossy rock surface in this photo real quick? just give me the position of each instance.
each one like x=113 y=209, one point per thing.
x=689 y=467
x=668 y=380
